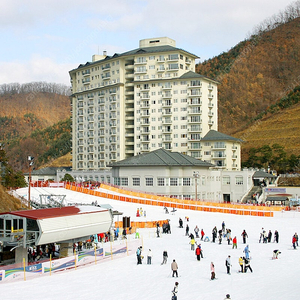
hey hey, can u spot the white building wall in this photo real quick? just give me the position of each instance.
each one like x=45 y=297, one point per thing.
x=107 y=129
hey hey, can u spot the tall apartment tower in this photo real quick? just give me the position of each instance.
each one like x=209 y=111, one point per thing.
x=139 y=101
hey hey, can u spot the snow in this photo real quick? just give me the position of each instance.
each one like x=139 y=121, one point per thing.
x=123 y=279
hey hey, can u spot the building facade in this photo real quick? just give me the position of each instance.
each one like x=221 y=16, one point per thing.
x=176 y=175
x=221 y=150
x=139 y=101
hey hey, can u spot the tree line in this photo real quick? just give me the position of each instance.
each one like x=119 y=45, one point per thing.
x=34 y=87
x=273 y=157
x=290 y=13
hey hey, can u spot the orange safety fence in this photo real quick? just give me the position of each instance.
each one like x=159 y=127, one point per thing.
x=179 y=203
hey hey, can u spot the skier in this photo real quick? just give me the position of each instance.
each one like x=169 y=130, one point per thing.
x=294 y=241
x=228 y=264
x=214 y=234
x=192 y=242
x=220 y=236
x=157 y=229
x=187 y=229
x=276 y=236
x=201 y=252
x=241 y=262
x=247 y=265
x=149 y=257
x=234 y=243
x=247 y=251
x=262 y=234
x=196 y=231
x=269 y=236
x=276 y=253
x=244 y=235
x=227 y=297
x=212 y=269
x=202 y=234
x=296 y=236
x=174 y=268
x=228 y=236
x=175 y=291
x=223 y=226
x=165 y=257
x=139 y=255
x=180 y=223
x=198 y=252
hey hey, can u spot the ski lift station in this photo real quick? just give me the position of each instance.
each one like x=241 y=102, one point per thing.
x=64 y=225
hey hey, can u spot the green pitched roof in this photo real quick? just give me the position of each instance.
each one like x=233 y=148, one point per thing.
x=144 y=50
x=214 y=135
x=191 y=74
x=161 y=157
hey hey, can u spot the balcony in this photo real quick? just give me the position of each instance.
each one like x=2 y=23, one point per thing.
x=106 y=76
x=167 y=104
x=210 y=96
x=167 y=96
x=195 y=120
x=145 y=104
x=195 y=111
x=195 y=129
x=145 y=96
x=172 y=69
x=141 y=71
x=162 y=69
x=160 y=60
x=140 y=61
x=167 y=87
x=106 y=67
x=167 y=121
x=218 y=147
x=210 y=87
x=86 y=72
x=210 y=104
x=173 y=57
x=195 y=94
x=86 y=80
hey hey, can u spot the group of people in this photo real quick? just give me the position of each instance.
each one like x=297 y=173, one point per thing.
x=267 y=237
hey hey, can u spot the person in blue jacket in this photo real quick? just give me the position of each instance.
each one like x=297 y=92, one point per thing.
x=247 y=251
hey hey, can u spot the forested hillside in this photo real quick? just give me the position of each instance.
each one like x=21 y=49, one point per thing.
x=35 y=121
x=257 y=72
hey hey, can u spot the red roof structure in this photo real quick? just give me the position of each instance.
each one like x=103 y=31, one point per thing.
x=38 y=214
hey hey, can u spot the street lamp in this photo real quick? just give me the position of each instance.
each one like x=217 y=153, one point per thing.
x=30 y=160
x=196 y=176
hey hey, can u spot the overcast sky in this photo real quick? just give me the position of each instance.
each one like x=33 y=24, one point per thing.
x=43 y=40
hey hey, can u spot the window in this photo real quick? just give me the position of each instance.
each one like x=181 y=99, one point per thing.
x=239 y=180
x=136 y=181
x=124 y=181
x=186 y=181
x=149 y=181
x=226 y=180
x=173 y=181
x=160 y=181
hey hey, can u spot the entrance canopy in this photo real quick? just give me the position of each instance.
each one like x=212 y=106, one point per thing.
x=52 y=225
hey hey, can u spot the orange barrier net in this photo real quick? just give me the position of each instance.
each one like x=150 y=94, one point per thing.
x=147 y=199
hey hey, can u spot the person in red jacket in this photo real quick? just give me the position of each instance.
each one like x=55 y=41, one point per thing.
x=198 y=252
x=294 y=240
x=202 y=234
x=234 y=243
